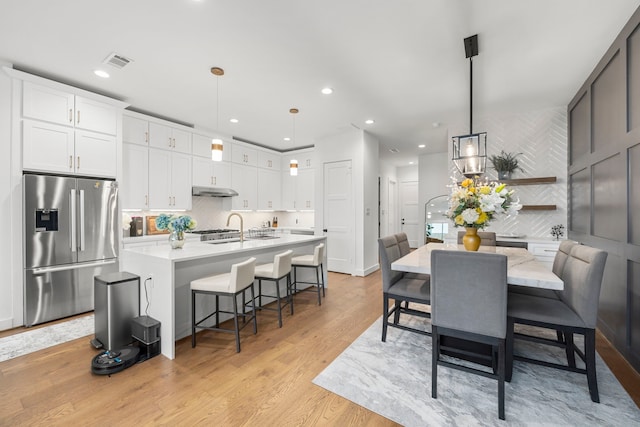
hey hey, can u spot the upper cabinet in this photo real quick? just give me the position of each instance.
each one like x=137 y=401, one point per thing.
x=244 y=155
x=169 y=138
x=269 y=160
x=63 y=108
x=135 y=130
x=201 y=147
x=66 y=133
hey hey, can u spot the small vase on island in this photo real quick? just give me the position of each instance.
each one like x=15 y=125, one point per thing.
x=176 y=239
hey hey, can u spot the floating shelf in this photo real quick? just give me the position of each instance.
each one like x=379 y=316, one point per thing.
x=539 y=207
x=530 y=181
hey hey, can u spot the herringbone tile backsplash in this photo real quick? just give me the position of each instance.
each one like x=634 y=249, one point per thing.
x=541 y=137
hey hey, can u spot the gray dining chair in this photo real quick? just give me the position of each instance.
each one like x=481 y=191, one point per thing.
x=487 y=238
x=469 y=302
x=400 y=289
x=405 y=249
x=576 y=312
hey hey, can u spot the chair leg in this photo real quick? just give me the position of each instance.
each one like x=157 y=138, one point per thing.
x=322 y=277
x=294 y=285
x=277 y=282
x=217 y=311
x=501 y=375
x=253 y=306
x=289 y=293
x=571 y=354
x=385 y=317
x=509 y=349
x=318 y=287
x=396 y=313
x=590 y=356
x=193 y=319
x=435 y=354
x=235 y=323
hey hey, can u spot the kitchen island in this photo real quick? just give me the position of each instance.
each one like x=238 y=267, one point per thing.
x=165 y=275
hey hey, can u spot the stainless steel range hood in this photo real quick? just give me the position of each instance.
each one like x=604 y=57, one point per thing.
x=213 y=192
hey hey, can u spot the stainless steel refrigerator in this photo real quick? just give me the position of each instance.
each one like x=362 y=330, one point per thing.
x=70 y=236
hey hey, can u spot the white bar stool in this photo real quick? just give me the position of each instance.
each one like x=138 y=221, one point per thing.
x=231 y=285
x=310 y=261
x=276 y=271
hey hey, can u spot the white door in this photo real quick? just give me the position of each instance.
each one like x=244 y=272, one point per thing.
x=409 y=211
x=339 y=217
x=392 y=208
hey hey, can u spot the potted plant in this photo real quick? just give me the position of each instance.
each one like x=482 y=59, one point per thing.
x=505 y=164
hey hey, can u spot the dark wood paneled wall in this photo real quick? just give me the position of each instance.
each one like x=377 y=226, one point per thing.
x=604 y=183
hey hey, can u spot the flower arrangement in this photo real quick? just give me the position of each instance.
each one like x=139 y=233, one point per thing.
x=177 y=223
x=473 y=204
x=126 y=221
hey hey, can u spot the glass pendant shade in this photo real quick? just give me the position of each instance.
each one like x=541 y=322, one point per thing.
x=216 y=150
x=470 y=153
x=293 y=167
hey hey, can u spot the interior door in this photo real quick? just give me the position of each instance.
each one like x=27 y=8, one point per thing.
x=392 y=209
x=409 y=211
x=338 y=216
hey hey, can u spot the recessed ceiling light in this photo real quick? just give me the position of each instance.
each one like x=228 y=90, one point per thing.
x=421 y=146
x=101 y=73
x=234 y=120
x=410 y=163
x=369 y=122
x=327 y=91
x=286 y=138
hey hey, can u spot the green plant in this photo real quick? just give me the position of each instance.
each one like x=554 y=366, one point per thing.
x=505 y=162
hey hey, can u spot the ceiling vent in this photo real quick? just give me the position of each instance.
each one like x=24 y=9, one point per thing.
x=117 y=61
x=394 y=150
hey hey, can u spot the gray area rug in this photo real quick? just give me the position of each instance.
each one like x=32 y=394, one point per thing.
x=47 y=336
x=393 y=379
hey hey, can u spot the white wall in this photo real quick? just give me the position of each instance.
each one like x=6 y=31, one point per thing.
x=387 y=206
x=7 y=288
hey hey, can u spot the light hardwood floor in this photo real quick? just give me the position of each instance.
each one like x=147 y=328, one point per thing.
x=267 y=384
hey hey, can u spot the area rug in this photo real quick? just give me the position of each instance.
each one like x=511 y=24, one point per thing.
x=393 y=379
x=44 y=337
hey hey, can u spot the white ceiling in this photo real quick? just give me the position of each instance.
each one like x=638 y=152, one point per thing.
x=401 y=63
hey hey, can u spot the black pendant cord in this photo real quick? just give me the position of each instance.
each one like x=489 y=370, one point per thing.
x=471 y=96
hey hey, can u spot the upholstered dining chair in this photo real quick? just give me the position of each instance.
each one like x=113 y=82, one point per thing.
x=487 y=238
x=405 y=249
x=311 y=261
x=228 y=285
x=469 y=302
x=399 y=288
x=575 y=312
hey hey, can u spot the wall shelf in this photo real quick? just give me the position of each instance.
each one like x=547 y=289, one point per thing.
x=530 y=181
x=539 y=207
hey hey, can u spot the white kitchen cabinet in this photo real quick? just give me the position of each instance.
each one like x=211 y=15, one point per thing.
x=134 y=193
x=201 y=146
x=169 y=180
x=545 y=252
x=169 y=138
x=305 y=159
x=244 y=155
x=288 y=184
x=269 y=189
x=244 y=179
x=305 y=186
x=135 y=130
x=269 y=160
x=207 y=173
x=49 y=147
x=55 y=106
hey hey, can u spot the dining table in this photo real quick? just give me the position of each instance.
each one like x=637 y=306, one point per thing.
x=522 y=267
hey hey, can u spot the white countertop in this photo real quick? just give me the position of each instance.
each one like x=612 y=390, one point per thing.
x=197 y=249
x=157 y=238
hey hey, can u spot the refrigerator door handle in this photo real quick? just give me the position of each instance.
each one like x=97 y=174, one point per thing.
x=82 y=220
x=44 y=270
x=73 y=228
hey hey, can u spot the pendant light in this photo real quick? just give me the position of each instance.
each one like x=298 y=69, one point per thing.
x=216 y=143
x=470 y=151
x=293 y=164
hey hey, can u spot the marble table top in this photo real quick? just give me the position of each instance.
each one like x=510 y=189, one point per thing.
x=522 y=267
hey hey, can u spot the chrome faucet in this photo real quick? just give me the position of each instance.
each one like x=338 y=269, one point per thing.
x=241 y=224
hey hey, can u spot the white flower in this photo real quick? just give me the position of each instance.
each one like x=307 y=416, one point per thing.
x=470 y=216
x=491 y=202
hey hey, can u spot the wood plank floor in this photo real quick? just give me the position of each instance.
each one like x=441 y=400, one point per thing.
x=268 y=383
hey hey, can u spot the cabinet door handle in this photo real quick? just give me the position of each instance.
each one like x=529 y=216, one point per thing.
x=146 y=200
x=169 y=142
x=215 y=180
x=169 y=200
x=174 y=142
x=78 y=119
x=70 y=162
x=146 y=137
x=78 y=164
x=70 y=115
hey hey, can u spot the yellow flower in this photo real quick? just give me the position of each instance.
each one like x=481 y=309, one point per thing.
x=467 y=183
x=483 y=217
x=459 y=220
x=471 y=190
x=485 y=189
x=500 y=187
